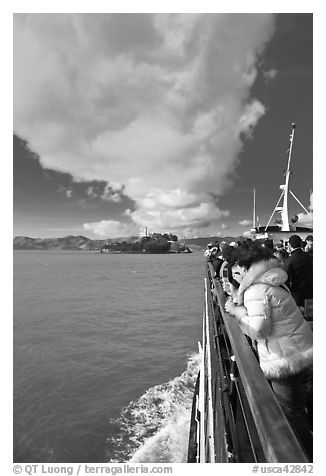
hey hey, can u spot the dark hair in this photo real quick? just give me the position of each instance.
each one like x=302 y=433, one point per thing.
x=253 y=254
x=281 y=253
x=268 y=243
x=227 y=252
x=309 y=238
x=295 y=241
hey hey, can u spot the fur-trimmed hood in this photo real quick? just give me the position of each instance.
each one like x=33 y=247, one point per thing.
x=264 y=272
x=267 y=313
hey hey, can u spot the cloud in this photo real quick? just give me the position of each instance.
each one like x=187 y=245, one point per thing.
x=224 y=226
x=245 y=222
x=91 y=190
x=110 y=193
x=250 y=116
x=112 y=229
x=155 y=104
x=311 y=205
x=175 y=218
x=306 y=219
x=271 y=74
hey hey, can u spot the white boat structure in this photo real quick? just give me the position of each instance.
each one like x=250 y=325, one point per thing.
x=283 y=226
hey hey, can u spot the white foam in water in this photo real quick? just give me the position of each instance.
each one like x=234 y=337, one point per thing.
x=169 y=444
x=155 y=428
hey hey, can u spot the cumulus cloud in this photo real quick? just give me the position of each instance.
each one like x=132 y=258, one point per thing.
x=93 y=190
x=112 y=229
x=154 y=104
x=161 y=218
x=306 y=219
x=245 y=222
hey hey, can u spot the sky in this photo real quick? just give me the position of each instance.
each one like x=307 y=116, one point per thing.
x=165 y=121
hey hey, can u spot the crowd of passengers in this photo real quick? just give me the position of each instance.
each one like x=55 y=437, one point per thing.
x=267 y=284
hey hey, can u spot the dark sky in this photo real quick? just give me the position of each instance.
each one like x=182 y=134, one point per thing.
x=288 y=99
x=45 y=199
x=51 y=201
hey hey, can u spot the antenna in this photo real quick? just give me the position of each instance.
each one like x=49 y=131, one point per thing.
x=285 y=191
x=285 y=187
x=253 y=230
x=254 y=211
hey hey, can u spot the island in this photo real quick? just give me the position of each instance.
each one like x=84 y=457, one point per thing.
x=150 y=243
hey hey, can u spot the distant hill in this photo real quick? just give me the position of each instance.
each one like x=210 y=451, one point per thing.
x=83 y=243
x=66 y=243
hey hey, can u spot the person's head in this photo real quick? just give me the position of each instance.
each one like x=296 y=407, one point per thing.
x=268 y=243
x=309 y=239
x=278 y=245
x=227 y=253
x=237 y=274
x=295 y=242
x=222 y=245
x=281 y=256
x=246 y=257
x=210 y=246
x=214 y=251
x=309 y=243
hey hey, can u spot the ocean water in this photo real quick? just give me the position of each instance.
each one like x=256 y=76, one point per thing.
x=105 y=355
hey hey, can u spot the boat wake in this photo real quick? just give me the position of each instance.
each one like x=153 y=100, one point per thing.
x=155 y=428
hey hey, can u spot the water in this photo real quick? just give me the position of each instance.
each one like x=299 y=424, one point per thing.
x=105 y=355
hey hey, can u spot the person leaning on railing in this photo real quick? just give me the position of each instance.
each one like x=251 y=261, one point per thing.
x=208 y=251
x=267 y=313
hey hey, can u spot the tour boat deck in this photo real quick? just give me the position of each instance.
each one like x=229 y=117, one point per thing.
x=235 y=416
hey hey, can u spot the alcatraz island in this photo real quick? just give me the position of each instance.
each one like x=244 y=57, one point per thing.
x=144 y=243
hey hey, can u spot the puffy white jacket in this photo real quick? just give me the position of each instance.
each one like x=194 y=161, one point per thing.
x=267 y=313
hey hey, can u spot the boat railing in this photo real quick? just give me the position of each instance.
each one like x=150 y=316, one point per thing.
x=236 y=416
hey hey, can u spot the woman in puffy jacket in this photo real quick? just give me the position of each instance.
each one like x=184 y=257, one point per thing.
x=267 y=313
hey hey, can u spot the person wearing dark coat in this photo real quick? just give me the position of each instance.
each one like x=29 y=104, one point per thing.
x=299 y=268
x=215 y=260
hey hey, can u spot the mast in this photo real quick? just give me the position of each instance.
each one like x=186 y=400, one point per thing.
x=285 y=187
x=285 y=191
x=253 y=230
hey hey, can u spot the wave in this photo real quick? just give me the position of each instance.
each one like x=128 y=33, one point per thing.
x=155 y=428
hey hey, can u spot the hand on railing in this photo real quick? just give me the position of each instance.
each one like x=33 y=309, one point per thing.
x=229 y=289
x=230 y=306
